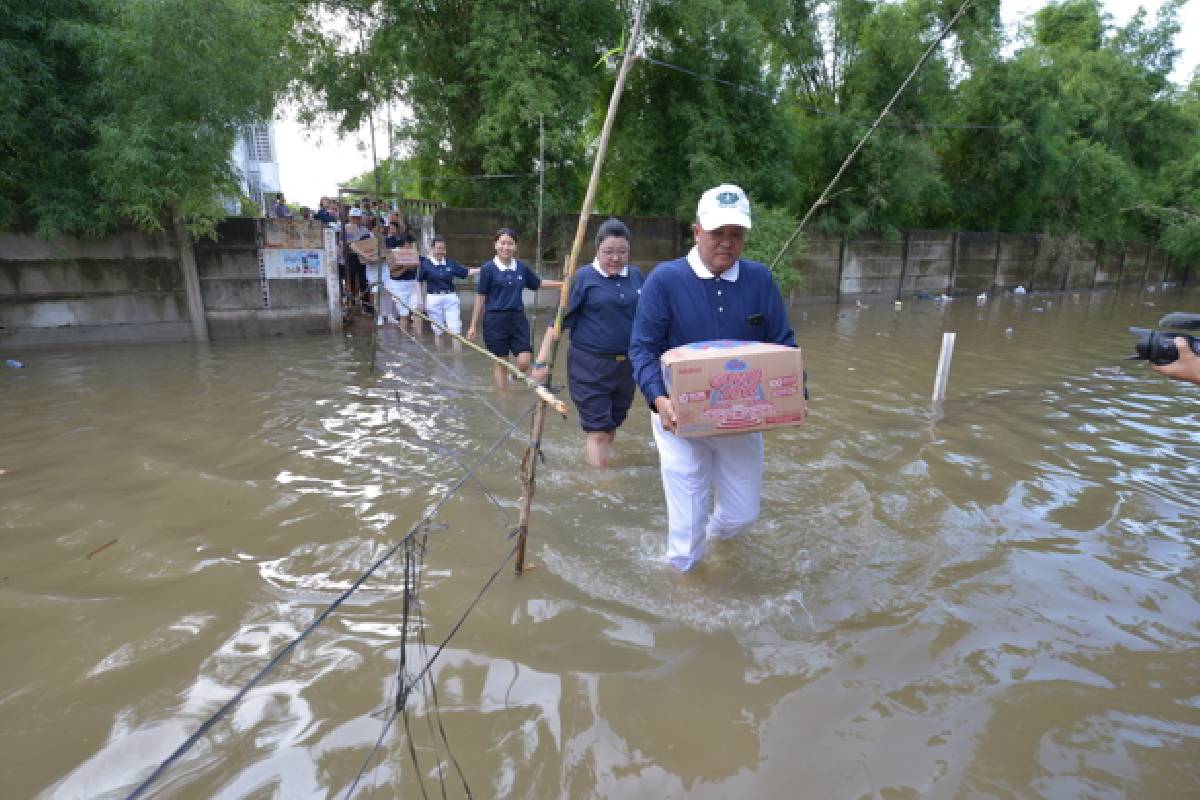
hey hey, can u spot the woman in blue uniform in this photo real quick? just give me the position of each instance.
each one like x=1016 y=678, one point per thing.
x=604 y=297
x=498 y=302
x=441 y=301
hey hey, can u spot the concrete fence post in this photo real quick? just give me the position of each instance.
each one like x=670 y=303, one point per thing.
x=191 y=281
x=1037 y=254
x=953 y=265
x=996 y=264
x=841 y=265
x=904 y=263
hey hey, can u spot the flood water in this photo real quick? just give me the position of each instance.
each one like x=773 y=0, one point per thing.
x=1000 y=600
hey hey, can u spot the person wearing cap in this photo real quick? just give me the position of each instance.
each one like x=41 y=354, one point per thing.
x=711 y=293
x=604 y=297
x=356 y=271
x=441 y=301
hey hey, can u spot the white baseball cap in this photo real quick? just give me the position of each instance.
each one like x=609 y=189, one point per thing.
x=356 y=212
x=723 y=205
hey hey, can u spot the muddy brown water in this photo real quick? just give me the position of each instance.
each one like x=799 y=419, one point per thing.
x=997 y=602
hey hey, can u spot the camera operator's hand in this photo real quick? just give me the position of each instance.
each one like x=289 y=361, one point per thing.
x=1184 y=368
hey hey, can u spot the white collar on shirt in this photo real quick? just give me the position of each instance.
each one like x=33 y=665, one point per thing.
x=438 y=262
x=704 y=273
x=624 y=273
x=511 y=266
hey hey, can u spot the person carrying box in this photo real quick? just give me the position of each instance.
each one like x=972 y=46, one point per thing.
x=709 y=294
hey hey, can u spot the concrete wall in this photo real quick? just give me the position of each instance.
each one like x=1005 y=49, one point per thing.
x=134 y=286
x=125 y=287
x=240 y=301
x=470 y=236
x=820 y=263
x=922 y=262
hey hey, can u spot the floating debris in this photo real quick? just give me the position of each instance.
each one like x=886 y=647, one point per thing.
x=101 y=548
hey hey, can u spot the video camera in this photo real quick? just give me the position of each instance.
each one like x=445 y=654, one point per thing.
x=1158 y=347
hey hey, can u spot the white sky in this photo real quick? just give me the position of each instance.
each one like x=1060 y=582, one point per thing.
x=313 y=162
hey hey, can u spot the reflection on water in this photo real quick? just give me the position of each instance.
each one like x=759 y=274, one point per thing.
x=996 y=598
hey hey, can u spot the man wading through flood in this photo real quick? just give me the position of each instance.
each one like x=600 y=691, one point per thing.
x=709 y=294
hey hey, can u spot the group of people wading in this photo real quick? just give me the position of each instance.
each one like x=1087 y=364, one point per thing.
x=620 y=325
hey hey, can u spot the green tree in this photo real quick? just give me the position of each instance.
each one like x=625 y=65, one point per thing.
x=477 y=77
x=1086 y=120
x=707 y=114
x=116 y=117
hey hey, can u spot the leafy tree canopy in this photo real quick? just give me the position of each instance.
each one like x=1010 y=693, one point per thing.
x=113 y=117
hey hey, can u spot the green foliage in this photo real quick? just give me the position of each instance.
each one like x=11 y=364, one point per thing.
x=678 y=134
x=477 y=77
x=125 y=111
x=772 y=229
x=249 y=208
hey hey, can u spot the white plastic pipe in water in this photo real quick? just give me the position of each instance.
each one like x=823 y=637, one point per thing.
x=943 y=368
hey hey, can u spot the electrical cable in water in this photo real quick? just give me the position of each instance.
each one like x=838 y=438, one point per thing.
x=290 y=646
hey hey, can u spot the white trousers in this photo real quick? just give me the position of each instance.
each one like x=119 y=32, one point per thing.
x=445 y=310
x=690 y=469
x=408 y=292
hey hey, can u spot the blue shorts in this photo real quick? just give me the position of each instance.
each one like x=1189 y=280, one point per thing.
x=601 y=387
x=505 y=332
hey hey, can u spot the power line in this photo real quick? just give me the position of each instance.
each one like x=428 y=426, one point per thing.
x=821 y=112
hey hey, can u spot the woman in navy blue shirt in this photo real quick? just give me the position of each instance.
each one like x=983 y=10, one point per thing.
x=498 y=293
x=604 y=297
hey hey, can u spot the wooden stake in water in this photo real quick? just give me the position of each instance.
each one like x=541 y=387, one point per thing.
x=943 y=368
x=529 y=464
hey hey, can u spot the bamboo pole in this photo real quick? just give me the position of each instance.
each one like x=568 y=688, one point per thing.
x=529 y=464
x=541 y=198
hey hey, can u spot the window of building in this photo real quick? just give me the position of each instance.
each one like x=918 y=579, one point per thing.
x=257 y=139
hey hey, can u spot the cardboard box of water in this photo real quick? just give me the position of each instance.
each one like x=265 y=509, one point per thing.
x=723 y=387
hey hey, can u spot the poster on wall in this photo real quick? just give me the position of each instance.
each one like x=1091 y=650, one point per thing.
x=292 y=234
x=294 y=263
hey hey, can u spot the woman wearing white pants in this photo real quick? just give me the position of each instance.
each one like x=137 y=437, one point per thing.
x=441 y=301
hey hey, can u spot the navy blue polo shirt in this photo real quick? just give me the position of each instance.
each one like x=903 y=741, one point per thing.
x=600 y=310
x=678 y=307
x=439 y=278
x=503 y=287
